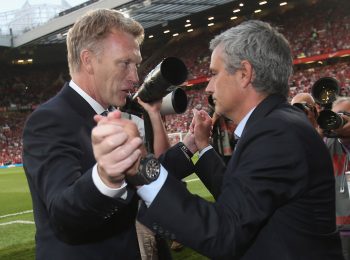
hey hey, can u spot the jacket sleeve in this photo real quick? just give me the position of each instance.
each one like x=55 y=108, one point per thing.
x=210 y=168
x=176 y=162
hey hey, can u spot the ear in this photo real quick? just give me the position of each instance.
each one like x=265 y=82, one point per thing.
x=86 y=57
x=246 y=72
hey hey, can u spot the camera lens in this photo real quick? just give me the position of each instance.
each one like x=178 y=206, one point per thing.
x=329 y=120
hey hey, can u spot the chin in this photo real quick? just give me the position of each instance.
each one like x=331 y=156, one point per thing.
x=218 y=111
x=120 y=102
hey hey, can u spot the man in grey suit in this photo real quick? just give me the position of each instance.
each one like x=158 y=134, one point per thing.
x=83 y=208
x=275 y=199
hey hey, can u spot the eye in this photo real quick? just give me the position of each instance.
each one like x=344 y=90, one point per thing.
x=212 y=74
x=124 y=63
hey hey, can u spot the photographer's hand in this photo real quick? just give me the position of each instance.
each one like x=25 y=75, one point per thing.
x=151 y=108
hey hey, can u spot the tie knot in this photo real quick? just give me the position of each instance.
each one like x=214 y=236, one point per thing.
x=109 y=109
x=104 y=113
x=234 y=140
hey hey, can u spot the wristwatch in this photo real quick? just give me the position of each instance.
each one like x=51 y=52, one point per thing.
x=149 y=170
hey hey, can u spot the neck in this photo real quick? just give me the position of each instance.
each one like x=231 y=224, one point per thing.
x=250 y=102
x=87 y=84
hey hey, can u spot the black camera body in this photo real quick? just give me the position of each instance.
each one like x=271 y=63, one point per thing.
x=325 y=92
x=162 y=79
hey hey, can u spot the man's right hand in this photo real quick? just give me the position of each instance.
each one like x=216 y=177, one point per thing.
x=117 y=148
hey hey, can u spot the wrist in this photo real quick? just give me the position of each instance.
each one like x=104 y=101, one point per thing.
x=113 y=183
x=154 y=114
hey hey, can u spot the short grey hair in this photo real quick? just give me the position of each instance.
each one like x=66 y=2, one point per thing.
x=265 y=48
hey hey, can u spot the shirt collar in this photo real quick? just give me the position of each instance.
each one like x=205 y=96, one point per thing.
x=240 y=127
x=92 y=102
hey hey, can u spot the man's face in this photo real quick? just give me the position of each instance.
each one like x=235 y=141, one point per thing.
x=225 y=86
x=115 y=68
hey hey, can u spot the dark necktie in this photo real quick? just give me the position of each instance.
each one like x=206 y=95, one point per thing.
x=104 y=113
x=109 y=109
x=234 y=140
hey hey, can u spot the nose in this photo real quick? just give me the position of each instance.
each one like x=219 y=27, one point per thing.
x=133 y=75
x=210 y=87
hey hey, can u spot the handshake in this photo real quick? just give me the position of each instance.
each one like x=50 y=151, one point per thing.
x=119 y=149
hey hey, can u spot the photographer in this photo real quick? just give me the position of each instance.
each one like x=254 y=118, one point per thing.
x=339 y=148
x=338 y=143
x=306 y=102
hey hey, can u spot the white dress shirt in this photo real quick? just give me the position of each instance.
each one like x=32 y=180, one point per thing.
x=103 y=188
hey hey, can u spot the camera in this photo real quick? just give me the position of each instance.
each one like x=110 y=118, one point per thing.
x=325 y=91
x=161 y=80
x=162 y=83
x=173 y=103
x=306 y=108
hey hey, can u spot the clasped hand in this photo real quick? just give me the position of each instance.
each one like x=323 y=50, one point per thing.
x=117 y=148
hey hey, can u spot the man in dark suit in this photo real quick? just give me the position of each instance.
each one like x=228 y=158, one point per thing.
x=83 y=208
x=275 y=198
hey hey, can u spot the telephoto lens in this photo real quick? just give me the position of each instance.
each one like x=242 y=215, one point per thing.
x=329 y=120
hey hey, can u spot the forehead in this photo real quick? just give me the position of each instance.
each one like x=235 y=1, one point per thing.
x=122 y=44
x=303 y=98
x=343 y=105
x=217 y=57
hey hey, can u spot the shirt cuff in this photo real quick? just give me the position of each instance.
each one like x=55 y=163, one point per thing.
x=204 y=150
x=105 y=190
x=149 y=192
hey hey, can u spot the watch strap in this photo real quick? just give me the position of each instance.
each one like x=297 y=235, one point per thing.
x=137 y=180
x=140 y=177
x=185 y=150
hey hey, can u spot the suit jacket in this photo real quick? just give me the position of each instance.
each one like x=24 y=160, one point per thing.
x=73 y=219
x=275 y=199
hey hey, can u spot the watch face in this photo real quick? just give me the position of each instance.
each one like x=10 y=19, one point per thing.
x=152 y=169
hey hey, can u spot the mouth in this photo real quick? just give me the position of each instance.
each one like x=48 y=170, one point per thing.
x=127 y=92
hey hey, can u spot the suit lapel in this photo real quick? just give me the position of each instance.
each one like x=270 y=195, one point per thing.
x=78 y=104
x=262 y=110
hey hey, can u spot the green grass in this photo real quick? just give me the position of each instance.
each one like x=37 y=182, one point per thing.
x=17 y=239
